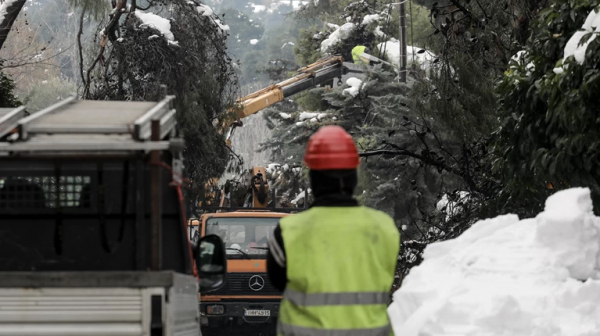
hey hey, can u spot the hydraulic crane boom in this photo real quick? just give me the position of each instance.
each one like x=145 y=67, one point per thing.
x=320 y=72
x=308 y=77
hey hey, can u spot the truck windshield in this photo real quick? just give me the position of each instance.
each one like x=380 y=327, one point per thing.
x=244 y=237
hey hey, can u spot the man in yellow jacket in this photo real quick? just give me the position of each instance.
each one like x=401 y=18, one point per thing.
x=334 y=262
x=356 y=52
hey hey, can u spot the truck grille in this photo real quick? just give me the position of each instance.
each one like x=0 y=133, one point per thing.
x=247 y=284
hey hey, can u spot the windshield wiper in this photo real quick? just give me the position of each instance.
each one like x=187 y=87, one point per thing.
x=259 y=247
x=242 y=252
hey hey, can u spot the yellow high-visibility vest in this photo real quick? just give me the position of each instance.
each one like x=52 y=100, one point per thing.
x=340 y=265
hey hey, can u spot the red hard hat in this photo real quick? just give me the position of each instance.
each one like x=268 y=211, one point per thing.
x=331 y=148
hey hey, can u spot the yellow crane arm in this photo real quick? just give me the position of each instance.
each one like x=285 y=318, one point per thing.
x=308 y=77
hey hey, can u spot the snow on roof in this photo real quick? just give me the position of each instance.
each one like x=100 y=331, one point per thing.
x=355 y=85
x=154 y=21
x=253 y=41
x=371 y=18
x=338 y=35
x=505 y=276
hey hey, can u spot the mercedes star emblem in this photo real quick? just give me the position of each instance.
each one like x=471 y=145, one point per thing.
x=256 y=283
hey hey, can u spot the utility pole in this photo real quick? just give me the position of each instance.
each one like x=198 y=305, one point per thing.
x=403 y=41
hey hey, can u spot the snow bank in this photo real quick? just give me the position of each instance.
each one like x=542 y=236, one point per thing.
x=506 y=276
x=341 y=32
x=354 y=88
x=392 y=51
x=156 y=22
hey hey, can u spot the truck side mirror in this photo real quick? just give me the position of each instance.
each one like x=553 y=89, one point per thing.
x=211 y=262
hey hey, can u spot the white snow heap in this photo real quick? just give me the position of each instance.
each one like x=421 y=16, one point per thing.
x=355 y=85
x=340 y=33
x=392 y=51
x=154 y=21
x=284 y=115
x=253 y=41
x=505 y=276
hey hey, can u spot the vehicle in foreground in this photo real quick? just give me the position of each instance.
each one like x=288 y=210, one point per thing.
x=93 y=238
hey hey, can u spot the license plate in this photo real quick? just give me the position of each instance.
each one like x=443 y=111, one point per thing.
x=256 y=312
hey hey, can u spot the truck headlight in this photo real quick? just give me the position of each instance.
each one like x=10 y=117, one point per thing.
x=215 y=310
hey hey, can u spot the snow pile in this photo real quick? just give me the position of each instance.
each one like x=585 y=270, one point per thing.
x=371 y=18
x=284 y=115
x=355 y=85
x=392 y=51
x=156 y=22
x=505 y=276
x=253 y=41
x=341 y=32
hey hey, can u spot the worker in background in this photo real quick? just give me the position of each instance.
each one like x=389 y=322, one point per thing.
x=356 y=52
x=334 y=262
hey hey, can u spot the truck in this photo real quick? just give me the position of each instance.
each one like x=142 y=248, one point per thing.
x=93 y=234
x=248 y=304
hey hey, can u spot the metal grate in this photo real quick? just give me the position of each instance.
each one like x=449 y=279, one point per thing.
x=39 y=192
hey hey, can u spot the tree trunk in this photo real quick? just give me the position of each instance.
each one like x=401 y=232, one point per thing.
x=9 y=11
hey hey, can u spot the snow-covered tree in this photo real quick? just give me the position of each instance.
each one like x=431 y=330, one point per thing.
x=177 y=43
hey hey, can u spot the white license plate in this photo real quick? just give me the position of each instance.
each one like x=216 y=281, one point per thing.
x=257 y=313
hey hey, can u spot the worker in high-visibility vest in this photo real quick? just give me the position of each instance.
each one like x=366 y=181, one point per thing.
x=334 y=262
x=356 y=52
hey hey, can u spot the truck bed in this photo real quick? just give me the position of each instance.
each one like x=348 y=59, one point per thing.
x=97 y=303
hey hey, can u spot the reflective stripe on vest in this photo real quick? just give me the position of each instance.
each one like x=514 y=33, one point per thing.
x=291 y=330
x=335 y=299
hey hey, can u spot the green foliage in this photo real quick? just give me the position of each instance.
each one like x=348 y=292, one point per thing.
x=197 y=70
x=550 y=121
x=7 y=96
x=311 y=101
